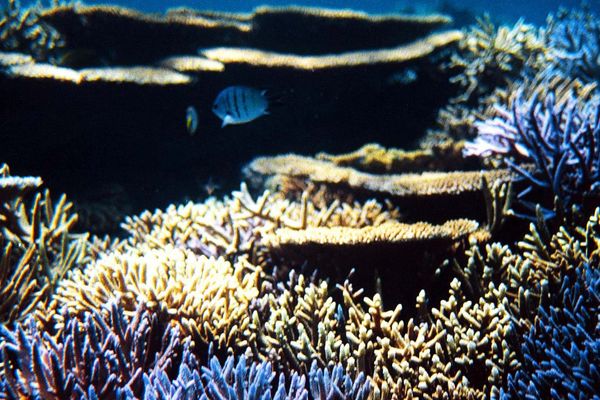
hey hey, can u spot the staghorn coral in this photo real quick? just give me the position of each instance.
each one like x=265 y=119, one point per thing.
x=206 y=297
x=560 y=353
x=374 y=158
x=93 y=357
x=236 y=380
x=560 y=140
x=232 y=380
x=573 y=38
x=235 y=227
x=490 y=57
x=457 y=349
x=37 y=249
x=22 y=30
x=458 y=122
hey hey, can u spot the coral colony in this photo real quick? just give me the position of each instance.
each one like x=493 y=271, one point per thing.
x=464 y=269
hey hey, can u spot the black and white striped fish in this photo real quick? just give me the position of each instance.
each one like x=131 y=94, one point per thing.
x=240 y=104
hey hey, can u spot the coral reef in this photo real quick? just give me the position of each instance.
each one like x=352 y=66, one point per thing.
x=560 y=140
x=22 y=30
x=373 y=275
x=120 y=75
x=374 y=158
x=401 y=185
x=206 y=297
x=573 y=38
x=490 y=57
x=93 y=357
x=396 y=55
x=37 y=249
x=560 y=354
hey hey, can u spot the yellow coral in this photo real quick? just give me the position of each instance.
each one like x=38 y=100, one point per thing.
x=207 y=297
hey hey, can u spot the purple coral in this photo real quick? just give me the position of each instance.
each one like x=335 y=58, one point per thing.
x=92 y=357
x=573 y=39
x=559 y=141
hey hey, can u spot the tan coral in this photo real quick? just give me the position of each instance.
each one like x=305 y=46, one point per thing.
x=237 y=226
x=44 y=71
x=140 y=75
x=403 y=185
x=187 y=64
x=389 y=232
x=37 y=248
x=8 y=59
x=137 y=75
x=266 y=59
x=375 y=158
x=499 y=53
x=207 y=297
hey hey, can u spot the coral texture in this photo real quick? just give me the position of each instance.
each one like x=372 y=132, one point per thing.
x=560 y=140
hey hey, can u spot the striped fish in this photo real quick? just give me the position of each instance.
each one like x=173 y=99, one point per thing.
x=240 y=104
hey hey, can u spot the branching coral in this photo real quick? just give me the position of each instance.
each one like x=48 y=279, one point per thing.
x=22 y=30
x=94 y=357
x=459 y=121
x=206 y=297
x=561 y=353
x=490 y=57
x=232 y=380
x=235 y=227
x=560 y=140
x=573 y=38
x=37 y=248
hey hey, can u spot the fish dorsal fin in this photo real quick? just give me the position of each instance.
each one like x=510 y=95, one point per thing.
x=228 y=120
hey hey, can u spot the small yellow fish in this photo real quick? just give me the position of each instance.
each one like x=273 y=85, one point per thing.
x=191 y=120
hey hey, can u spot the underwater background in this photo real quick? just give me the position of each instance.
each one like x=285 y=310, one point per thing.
x=319 y=200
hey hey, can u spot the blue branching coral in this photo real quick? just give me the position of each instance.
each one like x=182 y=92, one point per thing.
x=573 y=39
x=243 y=380
x=115 y=356
x=561 y=352
x=231 y=381
x=560 y=141
x=91 y=358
